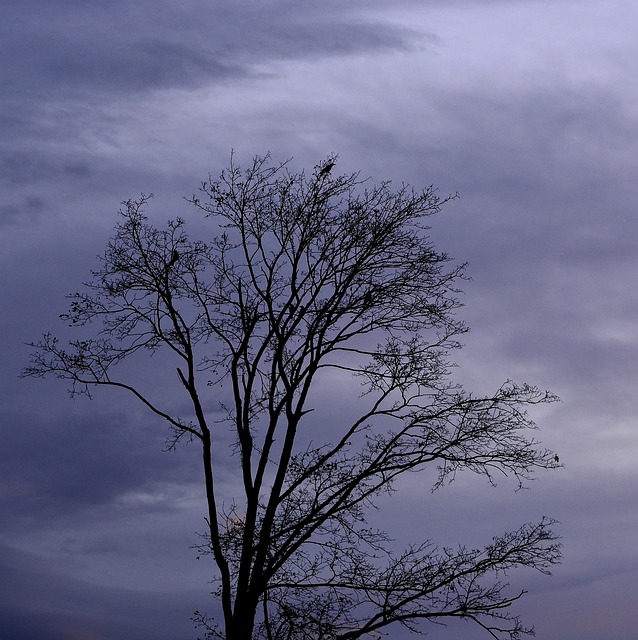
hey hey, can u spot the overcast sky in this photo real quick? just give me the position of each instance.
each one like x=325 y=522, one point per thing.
x=527 y=108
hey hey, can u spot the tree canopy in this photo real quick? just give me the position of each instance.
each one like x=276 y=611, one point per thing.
x=304 y=275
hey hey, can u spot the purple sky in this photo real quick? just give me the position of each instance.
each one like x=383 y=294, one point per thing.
x=529 y=109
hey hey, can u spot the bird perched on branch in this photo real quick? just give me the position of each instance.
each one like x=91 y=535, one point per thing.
x=326 y=169
x=174 y=258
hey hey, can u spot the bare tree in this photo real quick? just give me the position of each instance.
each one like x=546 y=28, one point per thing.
x=307 y=275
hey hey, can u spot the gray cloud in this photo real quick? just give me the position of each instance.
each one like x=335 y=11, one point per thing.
x=128 y=47
x=38 y=600
x=57 y=465
x=29 y=209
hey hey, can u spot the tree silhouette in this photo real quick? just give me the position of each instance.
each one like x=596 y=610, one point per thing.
x=306 y=275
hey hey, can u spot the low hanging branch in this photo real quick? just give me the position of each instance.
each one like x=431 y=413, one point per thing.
x=304 y=275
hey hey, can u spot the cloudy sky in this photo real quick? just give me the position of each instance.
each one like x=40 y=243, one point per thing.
x=527 y=108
